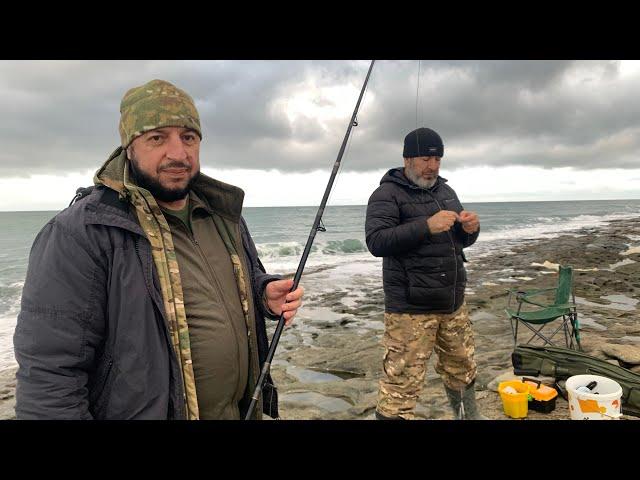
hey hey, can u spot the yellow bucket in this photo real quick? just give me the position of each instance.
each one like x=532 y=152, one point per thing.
x=515 y=405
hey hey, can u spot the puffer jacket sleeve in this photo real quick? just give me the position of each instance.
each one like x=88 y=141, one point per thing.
x=385 y=235
x=467 y=239
x=59 y=326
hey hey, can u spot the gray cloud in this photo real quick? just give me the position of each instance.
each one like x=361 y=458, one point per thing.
x=62 y=116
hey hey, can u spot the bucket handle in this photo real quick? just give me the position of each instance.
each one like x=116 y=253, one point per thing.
x=581 y=397
x=532 y=380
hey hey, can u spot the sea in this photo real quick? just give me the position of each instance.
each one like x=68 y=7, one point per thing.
x=340 y=252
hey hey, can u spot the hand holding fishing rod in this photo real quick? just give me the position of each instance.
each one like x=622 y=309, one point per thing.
x=314 y=229
x=282 y=299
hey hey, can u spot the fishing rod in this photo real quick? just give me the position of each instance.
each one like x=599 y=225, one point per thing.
x=314 y=229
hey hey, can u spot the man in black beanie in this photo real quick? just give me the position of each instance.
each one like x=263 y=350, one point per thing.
x=416 y=222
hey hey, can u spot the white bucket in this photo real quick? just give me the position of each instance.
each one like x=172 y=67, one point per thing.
x=589 y=406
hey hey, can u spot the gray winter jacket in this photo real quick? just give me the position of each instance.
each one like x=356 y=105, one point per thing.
x=91 y=339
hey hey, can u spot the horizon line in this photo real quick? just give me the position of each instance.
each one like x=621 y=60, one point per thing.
x=364 y=204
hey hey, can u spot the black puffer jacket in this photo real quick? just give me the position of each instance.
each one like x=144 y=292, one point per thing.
x=422 y=273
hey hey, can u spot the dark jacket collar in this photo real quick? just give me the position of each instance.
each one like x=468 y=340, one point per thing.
x=396 y=175
x=219 y=197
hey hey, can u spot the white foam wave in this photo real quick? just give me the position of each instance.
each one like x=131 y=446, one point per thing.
x=330 y=247
x=289 y=264
x=7 y=327
x=281 y=249
x=553 y=228
x=10 y=304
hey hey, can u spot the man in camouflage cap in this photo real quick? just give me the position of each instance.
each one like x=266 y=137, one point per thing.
x=416 y=222
x=146 y=299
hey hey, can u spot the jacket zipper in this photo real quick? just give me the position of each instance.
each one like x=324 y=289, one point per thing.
x=105 y=377
x=213 y=276
x=455 y=256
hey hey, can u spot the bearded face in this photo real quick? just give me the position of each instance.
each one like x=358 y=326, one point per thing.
x=166 y=162
x=422 y=171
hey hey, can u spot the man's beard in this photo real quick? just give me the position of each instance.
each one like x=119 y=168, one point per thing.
x=156 y=189
x=419 y=181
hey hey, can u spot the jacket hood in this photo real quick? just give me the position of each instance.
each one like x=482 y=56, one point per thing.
x=396 y=175
x=111 y=173
x=221 y=198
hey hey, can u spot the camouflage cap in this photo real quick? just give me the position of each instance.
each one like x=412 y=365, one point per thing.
x=154 y=105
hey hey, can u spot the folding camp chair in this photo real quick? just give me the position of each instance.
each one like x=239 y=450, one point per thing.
x=537 y=319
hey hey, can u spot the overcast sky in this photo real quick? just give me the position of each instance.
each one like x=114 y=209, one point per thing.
x=513 y=130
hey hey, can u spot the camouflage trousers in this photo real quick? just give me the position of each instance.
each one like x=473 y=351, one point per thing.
x=409 y=339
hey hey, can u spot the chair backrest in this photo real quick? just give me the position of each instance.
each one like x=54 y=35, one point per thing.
x=565 y=276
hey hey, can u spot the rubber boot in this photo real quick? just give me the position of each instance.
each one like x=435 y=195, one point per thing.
x=455 y=399
x=380 y=416
x=464 y=404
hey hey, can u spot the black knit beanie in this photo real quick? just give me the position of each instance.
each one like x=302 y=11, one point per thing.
x=423 y=142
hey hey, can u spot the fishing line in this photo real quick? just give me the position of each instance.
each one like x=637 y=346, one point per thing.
x=417 y=97
x=418 y=94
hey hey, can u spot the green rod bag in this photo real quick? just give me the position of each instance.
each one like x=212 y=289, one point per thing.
x=562 y=363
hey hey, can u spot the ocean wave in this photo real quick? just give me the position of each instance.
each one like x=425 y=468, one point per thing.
x=10 y=298
x=546 y=229
x=283 y=249
x=318 y=262
x=331 y=247
x=548 y=219
x=7 y=327
x=350 y=245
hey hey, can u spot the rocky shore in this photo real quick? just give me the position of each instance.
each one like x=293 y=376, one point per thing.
x=330 y=360
x=328 y=363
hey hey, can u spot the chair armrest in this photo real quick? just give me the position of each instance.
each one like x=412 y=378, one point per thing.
x=531 y=293
x=525 y=300
x=523 y=295
x=565 y=305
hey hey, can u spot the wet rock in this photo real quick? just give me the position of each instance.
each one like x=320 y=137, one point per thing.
x=627 y=355
x=7 y=394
